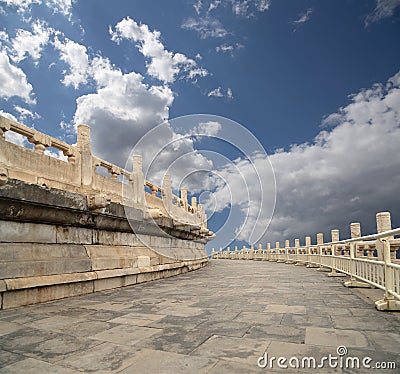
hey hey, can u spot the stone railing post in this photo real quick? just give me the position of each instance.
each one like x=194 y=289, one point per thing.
x=194 y=203
x=389 y=302
x=184 y=198
x=313 y=250
x=86 y=159
x=167 y=194
x=138 y=181
x=335 y=237
x=353 y=282
x=297 y=250
x=384 y=223
x=308 y=249
x=355 y=232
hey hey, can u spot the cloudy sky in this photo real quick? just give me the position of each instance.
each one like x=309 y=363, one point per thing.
x=315 y=83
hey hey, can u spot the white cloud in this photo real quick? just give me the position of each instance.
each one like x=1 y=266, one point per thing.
x=303 y=18
x=263 y=5
x=24 y=114
x=21 y=5
x=218 y=92
x=76 y=57
x=229 y=48
x=241 y=8
x=121 y=111
x=58 y=6
x=247 y=8
x=197 y=6
x=13 y=81
x=61 y=6
x=383 y=9
x=56 y=153
x=347 y=174
x=214 y=5
x=30 y=43
x=206 y=27
x=162 y=64
x=209 y=128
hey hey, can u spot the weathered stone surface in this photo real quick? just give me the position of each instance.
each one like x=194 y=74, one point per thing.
x=74 y=235
x=14 y=299
x=20 y=283
x=31 y=260
x=143 y=261
x=26 y=232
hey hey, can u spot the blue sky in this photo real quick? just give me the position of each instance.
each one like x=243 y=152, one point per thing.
x=316 y=82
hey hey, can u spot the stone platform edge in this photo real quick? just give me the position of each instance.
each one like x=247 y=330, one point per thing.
x=53 y=246
x=32 y=290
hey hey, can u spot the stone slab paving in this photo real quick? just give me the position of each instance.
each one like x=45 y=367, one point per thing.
x=224 y=318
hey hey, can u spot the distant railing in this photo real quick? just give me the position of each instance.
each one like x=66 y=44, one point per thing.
x=368 y=260
x=79 y=174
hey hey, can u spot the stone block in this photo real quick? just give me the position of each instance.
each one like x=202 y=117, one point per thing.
x=103 y=263
x=13 y=299
x=143 y=261
x=30 y=260
x=26 y=232
x=20 y=283
x=147 y=277
x=116 y=272
x=73 y=235
x=108 y=283
x=18 y=174
x=104 y=237
x=130 y=279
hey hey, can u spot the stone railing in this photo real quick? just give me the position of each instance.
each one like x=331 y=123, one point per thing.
x=79 y=174
x=369 y=261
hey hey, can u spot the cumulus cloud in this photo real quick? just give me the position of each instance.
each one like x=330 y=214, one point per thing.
x=347 y=174
x=76 y=57
x=163 y=64
x=61 y=6
x=28 y=43
x=383 y=9
x=219 y=92
x=206 y=27
x=58 y=6
x=121 y=111
x=13 y=81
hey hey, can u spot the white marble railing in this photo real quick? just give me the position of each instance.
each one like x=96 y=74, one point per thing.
x=79 y=174
x=369 y=261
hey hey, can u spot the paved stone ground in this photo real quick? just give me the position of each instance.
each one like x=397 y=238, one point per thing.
x=219 y=319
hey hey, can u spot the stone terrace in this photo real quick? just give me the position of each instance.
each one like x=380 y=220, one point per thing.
x=219 y=319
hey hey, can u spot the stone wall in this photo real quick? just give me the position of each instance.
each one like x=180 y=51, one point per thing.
x=67 y=230
x=52 y=245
